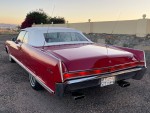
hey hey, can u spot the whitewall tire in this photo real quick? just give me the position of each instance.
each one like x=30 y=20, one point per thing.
x=34 y=84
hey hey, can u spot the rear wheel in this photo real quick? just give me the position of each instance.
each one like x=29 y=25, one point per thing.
x=34 y=84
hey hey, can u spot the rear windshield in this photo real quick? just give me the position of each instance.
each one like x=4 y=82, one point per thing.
x=63 y=37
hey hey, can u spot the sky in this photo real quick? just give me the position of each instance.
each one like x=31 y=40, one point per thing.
x=14 y=11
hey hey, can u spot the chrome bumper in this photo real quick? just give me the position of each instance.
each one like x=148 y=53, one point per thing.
x=91 y=81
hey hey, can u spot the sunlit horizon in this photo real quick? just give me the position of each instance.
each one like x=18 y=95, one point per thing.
x=75 y=11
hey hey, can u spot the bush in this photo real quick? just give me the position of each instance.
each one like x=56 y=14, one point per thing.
x=38 y=17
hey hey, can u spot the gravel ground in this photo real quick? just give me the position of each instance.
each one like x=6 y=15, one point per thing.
x=16 y=95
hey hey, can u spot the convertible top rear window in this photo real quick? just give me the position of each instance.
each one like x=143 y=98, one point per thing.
x=63 y=37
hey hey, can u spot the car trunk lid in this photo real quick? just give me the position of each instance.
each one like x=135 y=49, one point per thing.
x=90 y=56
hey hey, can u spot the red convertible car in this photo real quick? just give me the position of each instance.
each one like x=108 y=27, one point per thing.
x=63 y=60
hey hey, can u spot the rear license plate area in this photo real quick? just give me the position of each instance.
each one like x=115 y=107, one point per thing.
x=107 y=81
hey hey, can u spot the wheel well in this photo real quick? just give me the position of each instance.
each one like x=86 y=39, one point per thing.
x=6 y=49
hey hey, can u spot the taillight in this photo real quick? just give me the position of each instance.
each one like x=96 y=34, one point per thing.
x=141 y=63
x=103 y=70
x=84 y=73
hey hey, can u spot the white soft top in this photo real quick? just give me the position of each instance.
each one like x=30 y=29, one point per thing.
x=32 y=29
x=36 y=35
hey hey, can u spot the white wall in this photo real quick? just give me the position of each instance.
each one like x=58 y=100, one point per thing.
x=140 y=27
x=115 y=27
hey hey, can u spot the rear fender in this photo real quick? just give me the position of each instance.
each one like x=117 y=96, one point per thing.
x=6 y=50
x=138 y=54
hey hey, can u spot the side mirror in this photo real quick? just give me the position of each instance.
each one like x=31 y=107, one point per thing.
x=14 y=39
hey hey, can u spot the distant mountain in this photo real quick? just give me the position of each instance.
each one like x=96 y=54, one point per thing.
x=3 y=26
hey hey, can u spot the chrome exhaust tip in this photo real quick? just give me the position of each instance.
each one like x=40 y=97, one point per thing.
x=77 y=95
x=123 y=83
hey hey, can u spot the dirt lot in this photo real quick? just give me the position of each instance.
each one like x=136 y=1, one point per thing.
x=16 y=95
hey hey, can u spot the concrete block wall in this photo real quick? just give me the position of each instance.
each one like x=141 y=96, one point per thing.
x=140 y=27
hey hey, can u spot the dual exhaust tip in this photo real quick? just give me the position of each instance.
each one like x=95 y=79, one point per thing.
x=123 y=83
x=78 y=95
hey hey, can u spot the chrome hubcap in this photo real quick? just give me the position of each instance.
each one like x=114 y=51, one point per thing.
x=32 y=80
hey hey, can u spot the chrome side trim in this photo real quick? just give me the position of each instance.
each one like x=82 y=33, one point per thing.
x=46 y=53
x=103 y=76
x=63 y=43
x=36 y=77
x=144 y=58
x=60 y=69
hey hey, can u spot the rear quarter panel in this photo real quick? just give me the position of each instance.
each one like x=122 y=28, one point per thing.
x=10 y=46
x=45 y=66
x=139 y=54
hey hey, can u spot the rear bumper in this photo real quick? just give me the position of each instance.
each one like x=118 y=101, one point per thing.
x=81 y=83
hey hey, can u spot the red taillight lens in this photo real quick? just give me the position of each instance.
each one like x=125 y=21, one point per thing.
x=103 y=70
x=141 y=63
x=84 y=73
